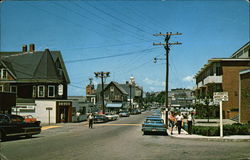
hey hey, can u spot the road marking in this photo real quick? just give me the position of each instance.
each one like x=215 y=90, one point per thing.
x=118 y=124
x=49 y=127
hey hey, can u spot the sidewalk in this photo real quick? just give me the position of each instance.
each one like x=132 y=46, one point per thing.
x=185 y=135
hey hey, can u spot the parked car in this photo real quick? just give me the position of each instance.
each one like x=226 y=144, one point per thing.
x=124 y=114
x=111 y=117
x=100 y=118
x=29 y=118
x=154 y=125
x=14 y=125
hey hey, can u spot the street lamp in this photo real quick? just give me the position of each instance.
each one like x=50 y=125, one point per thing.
x=102 y=75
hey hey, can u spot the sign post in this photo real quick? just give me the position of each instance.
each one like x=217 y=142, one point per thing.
x=49 y=109
x=220 y=97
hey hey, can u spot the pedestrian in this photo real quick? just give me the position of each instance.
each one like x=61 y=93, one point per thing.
x=190 y=121
x=179 y=119
x=78 y=116
x=91 y=120
x=172 y=121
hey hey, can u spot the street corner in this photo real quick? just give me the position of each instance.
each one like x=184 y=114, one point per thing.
x=49 y=127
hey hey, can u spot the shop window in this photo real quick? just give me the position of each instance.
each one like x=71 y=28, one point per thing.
x=41 y=91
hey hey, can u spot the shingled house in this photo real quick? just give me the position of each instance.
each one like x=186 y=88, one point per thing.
x=39 y=79
x=118 y=96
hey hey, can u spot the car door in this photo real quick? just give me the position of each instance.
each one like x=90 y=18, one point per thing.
x=17 y=124
x=5 y=125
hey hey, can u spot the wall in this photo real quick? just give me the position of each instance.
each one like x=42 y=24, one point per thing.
x=230 y=84
x=245 y=98
x=43 y=113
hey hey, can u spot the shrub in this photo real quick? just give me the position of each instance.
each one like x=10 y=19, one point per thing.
x=235 y=129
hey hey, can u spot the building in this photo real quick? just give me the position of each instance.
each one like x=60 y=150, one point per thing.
x=181 y=99
x=126 y=96
x=39 y=79
x=115 y=97
x=244 y=98
x=222 y=75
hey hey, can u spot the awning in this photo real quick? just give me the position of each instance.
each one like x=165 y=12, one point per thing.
x=114 y=105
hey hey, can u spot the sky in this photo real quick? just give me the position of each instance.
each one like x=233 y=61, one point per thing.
x=117 y=37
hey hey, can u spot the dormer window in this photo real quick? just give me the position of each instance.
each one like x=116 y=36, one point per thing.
x=3 y=73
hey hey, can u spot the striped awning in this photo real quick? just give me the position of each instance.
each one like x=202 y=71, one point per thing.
x=114 y=105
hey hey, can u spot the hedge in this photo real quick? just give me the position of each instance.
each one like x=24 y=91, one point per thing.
x=235 y=129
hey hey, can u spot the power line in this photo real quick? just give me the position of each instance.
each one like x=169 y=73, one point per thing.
x=120 y=20
x=118 y=28
x=106 y=57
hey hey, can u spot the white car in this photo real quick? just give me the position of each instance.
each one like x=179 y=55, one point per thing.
x=111 y=117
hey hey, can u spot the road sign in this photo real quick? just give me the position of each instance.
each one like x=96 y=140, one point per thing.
x=48 y=108
x=220 y=96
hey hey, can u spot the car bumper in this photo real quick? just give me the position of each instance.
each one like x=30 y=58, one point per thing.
x=151 y=129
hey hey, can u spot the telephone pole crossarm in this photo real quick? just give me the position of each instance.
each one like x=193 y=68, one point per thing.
x=167 y=34
x=165 y=44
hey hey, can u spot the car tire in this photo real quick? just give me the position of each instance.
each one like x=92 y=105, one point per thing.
x=28 y=136
x=2 y=136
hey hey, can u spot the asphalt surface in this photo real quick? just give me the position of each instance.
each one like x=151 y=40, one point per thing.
x=117 y=140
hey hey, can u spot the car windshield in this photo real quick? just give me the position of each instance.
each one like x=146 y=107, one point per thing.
x=15 y=118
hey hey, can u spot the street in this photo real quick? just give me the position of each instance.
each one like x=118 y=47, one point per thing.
x=121 y=139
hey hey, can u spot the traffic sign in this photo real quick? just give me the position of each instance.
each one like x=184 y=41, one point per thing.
x=220 y=96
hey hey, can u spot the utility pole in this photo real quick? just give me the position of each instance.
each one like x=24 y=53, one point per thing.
x=166 y=46
x=102 y=75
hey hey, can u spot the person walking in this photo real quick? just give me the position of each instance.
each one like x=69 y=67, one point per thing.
x=172 y=121
x=179 y=119
x=91 y=120
x=190 y=121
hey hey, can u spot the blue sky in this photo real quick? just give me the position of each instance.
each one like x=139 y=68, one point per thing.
x=117 y=36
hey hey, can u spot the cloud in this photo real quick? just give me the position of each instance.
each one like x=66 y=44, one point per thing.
x=188 y=79
x=154 y=82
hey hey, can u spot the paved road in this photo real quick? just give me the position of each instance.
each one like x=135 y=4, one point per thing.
x=118 y=140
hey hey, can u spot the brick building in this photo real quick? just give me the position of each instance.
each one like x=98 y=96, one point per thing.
x=222 y=75
x=244 y=98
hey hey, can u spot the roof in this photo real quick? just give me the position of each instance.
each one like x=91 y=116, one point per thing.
x=99 y=87
x=245 y=71
x=38 y=66
x=235 y=53
x=213 y=60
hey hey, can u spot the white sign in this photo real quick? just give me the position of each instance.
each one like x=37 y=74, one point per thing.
x=220 y=96
x=60 y=90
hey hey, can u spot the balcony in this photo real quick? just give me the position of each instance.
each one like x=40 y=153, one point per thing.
x=213 y=79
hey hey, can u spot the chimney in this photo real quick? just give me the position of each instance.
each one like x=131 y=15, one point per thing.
x=24 y=48
x=32 y=47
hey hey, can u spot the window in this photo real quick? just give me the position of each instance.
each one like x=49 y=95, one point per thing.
x=41 y=91
x=111 y=88
x=34 y=92
x=13 y=89
x=3 y=73
x=1 y=88
x=51 y=91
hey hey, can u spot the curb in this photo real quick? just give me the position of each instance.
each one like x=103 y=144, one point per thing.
x=203 y=138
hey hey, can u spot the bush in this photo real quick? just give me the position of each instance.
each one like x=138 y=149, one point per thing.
x=235 y=129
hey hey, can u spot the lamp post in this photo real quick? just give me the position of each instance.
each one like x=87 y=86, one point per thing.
x=102 y=75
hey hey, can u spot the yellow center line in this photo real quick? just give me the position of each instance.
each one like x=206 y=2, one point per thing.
x=118 y=124
x=49 y=127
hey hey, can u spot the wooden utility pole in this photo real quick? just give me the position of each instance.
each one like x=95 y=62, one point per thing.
x=166 y=46
x=102 y=75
